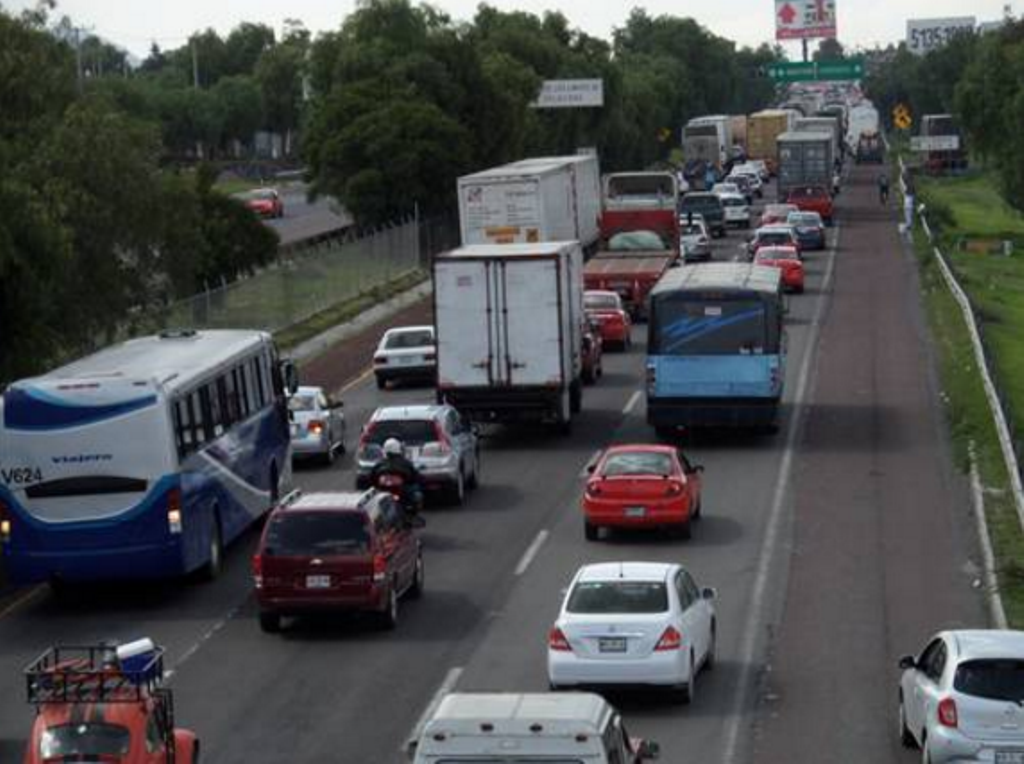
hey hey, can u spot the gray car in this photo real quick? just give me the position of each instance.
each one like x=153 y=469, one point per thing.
x=317 y=424
x=440 y=442
x=694 y=240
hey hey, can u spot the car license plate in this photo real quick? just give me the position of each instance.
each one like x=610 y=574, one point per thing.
x=1010 y=757
x=406 y=360
x=318 y=582
x=636 y=511
x=611 y=644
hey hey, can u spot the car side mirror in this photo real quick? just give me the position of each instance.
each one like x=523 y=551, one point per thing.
x=648 y=750
x=290 y=375
x=698 y=468
x=908 y=662
x=708 y=593
x=591 y=468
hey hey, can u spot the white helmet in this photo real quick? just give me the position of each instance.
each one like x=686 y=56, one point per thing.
x=392 y=447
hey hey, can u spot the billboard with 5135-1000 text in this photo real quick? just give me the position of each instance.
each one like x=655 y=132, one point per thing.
x=802 y=19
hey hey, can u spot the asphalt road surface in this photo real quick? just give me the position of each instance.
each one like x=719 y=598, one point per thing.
x=304 y=219
x=833 y=547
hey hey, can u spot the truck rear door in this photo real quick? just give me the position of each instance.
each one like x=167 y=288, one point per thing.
x=467 y=326
x=532 y=320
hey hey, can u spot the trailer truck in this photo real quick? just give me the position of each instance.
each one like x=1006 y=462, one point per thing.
x=763 y=130
x=509 y=320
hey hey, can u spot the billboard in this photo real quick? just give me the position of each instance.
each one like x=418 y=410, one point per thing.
x=924 y=35
x=568 y=94
x=801 y=19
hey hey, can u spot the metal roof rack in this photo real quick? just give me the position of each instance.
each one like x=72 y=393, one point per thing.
x=92 y=674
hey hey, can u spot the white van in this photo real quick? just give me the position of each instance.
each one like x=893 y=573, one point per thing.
x=514 y=728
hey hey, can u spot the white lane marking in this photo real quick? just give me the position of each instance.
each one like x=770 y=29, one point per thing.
x=446 y=687
x=739 y=719
x=631 y=403
x=531 y=552
x=169 y=674
x=592 y=460
x=23 y=599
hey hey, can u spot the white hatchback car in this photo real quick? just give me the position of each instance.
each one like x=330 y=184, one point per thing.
x=962 y=698
x=633 y=624
x=736 y=209
x=405 y=353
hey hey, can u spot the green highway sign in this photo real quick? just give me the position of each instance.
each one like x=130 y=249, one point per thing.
x=817 y=71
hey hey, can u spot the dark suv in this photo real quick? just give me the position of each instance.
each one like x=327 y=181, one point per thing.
x=708 y=205
x=329 y=552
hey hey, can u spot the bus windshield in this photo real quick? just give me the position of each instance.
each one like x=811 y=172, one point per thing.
x=692 y=325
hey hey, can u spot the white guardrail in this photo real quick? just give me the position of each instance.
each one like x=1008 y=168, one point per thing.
x=995 y=405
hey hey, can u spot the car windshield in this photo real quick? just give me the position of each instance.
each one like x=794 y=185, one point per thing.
x=85 y=741
x=804 y=219
x=993 y=679
x=618 y=597
x=774 y=237
x=700 y=202
x=635 y=241
x=302 y=402
x=637 y=463
x=601 y=301
x=693 y=230
x=412 y=432
x=733 y=203
x=415 y=338
x=300 y=534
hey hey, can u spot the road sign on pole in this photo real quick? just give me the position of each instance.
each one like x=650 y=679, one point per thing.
x=817 y=71
x=901 y=117
x=801 y=19
x=569 y=94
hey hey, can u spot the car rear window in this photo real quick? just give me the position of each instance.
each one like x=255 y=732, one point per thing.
x=637 y=463
x=302 y=403
x=618 y=597
x=412 y=432
x=606 y=301
x=994 y=679
x=410 y=339
x=297 y=534
x=87 y=741
x=693 y=230
x=734 y=203
x=804 y=218
x=775 y=237
x=635 y=241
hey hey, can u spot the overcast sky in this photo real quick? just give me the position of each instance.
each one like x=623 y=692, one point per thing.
x=133 y=24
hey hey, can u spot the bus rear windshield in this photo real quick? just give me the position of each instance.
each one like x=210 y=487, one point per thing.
x=688 y=326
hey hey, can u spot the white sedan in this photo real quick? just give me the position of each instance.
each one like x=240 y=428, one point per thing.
x=633 y=623
x=405 y=353
x=962 y=698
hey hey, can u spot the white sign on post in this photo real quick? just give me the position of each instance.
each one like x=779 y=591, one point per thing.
x=569 y=94
x=924 y=35
x=935 y=143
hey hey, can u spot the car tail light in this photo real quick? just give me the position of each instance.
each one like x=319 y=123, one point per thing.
x=364 y=436
x=671 y=639
x=257 y=570
x=316 y=427
x=673 y=489
x=593 y=489
x=174 y=511
x=430 y=356
x=557 y=641
x=380 y=360
x=380 y=568
x=947 y=712
x=5 y=523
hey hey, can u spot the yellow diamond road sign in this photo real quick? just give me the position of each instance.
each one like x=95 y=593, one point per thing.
x=901 y=117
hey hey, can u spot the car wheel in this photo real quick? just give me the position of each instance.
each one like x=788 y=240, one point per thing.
x=458 y=490
x=474 y=478
x=270 y=622
x=381 y=382
x=685 y=693
x=906 y=737
x=329 y=454
x=709 y=659
x=195 y=753
x=698 y=512
x=215 y=562
x=591 y=532
x=416 y=587
x=389 y=616
x=684 y=530
x=926 y=756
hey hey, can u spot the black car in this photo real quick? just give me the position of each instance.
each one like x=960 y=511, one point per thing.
x=707 y=205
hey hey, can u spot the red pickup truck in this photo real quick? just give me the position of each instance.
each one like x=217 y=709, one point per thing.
x=813 y=199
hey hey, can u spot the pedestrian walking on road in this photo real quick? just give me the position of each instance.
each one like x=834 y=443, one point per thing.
x=883 y=188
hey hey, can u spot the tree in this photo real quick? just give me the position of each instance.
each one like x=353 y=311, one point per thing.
x=279 y=73
x=829 y=49
x=241 y=104
x=244 y=46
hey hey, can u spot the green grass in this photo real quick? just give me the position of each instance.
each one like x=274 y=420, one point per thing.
x=995 y=285
x=977 y=206
x=236 y=185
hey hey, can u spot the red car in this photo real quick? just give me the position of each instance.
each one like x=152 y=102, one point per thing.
x=773 y=236
x=641 y=486
x=786 y=259
x=605 y=308
x=776 y=213
x=333 y=552
x=592 y=351
x=265 y=202
x=97 y=703
x=813 y=199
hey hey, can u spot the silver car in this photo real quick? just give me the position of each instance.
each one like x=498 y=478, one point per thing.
x=694 y=240
x=317 y=424
x=440 y=442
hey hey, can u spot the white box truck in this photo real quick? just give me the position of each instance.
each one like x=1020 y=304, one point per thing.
x=562 y=727
x=509 y=323
x=533 y=200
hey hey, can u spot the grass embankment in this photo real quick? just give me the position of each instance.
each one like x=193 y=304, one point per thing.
x=995 y=285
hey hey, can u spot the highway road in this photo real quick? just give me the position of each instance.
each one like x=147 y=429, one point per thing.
x=304 y=219
x=801 y=592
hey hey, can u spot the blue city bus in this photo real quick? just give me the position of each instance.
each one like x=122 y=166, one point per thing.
x=143 y=460
x=716 y=347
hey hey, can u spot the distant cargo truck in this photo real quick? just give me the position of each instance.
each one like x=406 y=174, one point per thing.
x=763 y=130
x=532 y=200
x=823 y=125
x=805 y=160
x=509 y=321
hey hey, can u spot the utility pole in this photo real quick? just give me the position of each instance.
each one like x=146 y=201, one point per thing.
x=195 y=66
x=806 y=48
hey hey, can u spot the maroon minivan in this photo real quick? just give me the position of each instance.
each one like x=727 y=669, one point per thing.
x=330 y=552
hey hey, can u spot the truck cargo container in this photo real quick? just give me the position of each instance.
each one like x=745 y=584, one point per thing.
x=708 y=139
x=823 y=125
x=805 y=160
x=532 y=200
x=509 y=321
x=763 y=130
x=738 y=130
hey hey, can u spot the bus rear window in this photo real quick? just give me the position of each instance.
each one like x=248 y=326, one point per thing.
x=701 y=327
x=84 y=742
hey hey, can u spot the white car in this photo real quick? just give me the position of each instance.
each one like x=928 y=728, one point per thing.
x=962 y=698
x=633 y=623
x=726 y=188
x=753 y=179
x=405 y=353
x=758 y=166
x=694 y=240
x=317 y=424
x=736 y=209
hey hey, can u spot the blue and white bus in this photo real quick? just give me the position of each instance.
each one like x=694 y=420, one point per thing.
x=716 y=347
x=142 y=460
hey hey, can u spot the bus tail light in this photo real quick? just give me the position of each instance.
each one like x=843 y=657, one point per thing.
x=5 y=523
x=174 y=511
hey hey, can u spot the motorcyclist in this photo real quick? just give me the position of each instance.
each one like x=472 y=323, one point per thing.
x=396 y=464
x=883 y=188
